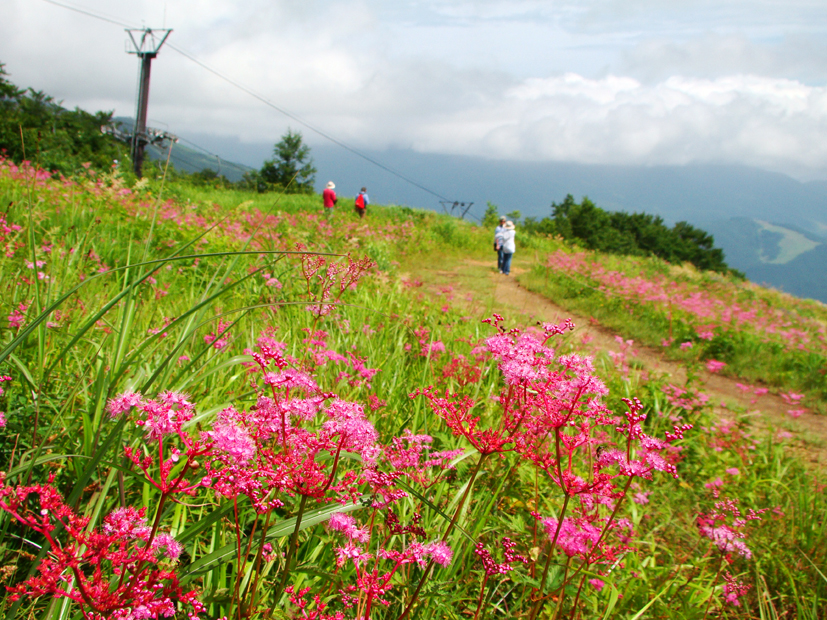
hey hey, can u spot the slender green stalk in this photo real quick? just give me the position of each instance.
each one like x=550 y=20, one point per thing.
x=291 y=550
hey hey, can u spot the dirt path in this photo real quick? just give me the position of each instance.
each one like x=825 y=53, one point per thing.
x=505 y=296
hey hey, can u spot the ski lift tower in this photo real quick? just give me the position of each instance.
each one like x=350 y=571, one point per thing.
x=146 y=43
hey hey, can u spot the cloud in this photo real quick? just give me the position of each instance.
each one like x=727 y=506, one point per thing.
x=768 y=122
x=799 y=56
x=523 y=79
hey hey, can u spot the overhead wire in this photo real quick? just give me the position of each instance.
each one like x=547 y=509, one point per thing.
x=90 y=13
x=306 y=124
x=224 y=162
x=266 y=102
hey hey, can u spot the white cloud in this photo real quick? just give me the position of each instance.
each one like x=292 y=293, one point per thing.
x=515 y=80
x=779 y=124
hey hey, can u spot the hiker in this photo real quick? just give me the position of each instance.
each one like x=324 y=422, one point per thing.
x=329 y=198
x=508 y=245
x=498 y=246
x=362 y=202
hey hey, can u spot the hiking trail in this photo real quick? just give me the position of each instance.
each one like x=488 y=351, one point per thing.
x=504 y=295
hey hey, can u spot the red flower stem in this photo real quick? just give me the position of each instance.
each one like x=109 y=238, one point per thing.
x=540 y=600
x=448 y=530
x=479 y=599
x=606 y=527
x=54 y=545
x=335 y=466
x=714 y=583
x=259 y=556
x=539 y=604
x=290 y=550
x=577 y=597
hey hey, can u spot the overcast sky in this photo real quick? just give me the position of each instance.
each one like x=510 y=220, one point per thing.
x=591 y=81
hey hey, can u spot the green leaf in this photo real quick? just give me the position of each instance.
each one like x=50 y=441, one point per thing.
x=277 y=530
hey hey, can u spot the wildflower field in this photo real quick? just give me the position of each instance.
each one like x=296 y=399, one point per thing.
x=223 y=405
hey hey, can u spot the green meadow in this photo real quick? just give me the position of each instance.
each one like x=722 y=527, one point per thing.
x=217 y=404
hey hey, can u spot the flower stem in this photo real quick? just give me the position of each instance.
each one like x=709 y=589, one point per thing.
x=291 y=549
x=714 y=583
x=479 y=600
x=448 y=530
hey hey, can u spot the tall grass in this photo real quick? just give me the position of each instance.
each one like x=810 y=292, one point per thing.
x=141 y=296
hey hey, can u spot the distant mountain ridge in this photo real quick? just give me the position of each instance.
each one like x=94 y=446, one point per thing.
x=770 y=226
x=188 y=159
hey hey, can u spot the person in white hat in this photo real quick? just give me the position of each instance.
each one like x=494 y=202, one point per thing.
x=508 y=246
x=329 y=198
x=498 y=244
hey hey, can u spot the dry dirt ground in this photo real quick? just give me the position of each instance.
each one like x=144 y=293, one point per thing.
x=480 y=290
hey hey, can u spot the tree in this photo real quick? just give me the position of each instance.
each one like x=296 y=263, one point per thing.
x=491 y=216
x=514 y=216
x=292 y=169
x=35 y=127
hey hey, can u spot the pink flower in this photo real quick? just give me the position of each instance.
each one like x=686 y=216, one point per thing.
x=714 y=366
x=346 y=525
x=232 y=439
x=642 y=497
x=291 y=379
x=440 y=553
x=685 y=346
x=733 y=471
x=597 y=584
x=725 y=525
x=123 y=403
x=733 y=589
x=17 y=317
x=715 y=486
x=171 y=546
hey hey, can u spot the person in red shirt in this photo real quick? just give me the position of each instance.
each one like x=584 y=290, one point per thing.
x=329 y=198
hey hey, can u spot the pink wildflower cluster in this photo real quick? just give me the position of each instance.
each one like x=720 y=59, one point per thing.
x=734 y=589
x=375 y=571
x=310 y=610
x=705 y=308
x=328 y=280
x=725 y=527
x=220 y=338
x=688 y=399
x=427 y=346
x=321 y=354
x=793 y=400
x=462 y=370
x=550 y=413
x=728 y=435
x=410 y=454
x=8 y=237
x=81 y=569
x=491 y=566
x=756 y=391
x=163 y=420
x=18 y=316
x=621 y=358
x=714 y=366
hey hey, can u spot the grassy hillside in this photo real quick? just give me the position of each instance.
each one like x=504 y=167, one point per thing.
x=231 y=405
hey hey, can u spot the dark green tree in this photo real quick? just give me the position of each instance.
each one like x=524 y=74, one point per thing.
x=639 y=234
x=292 y=169
x=35 y=127
x=514 y=216
x=491 y=216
